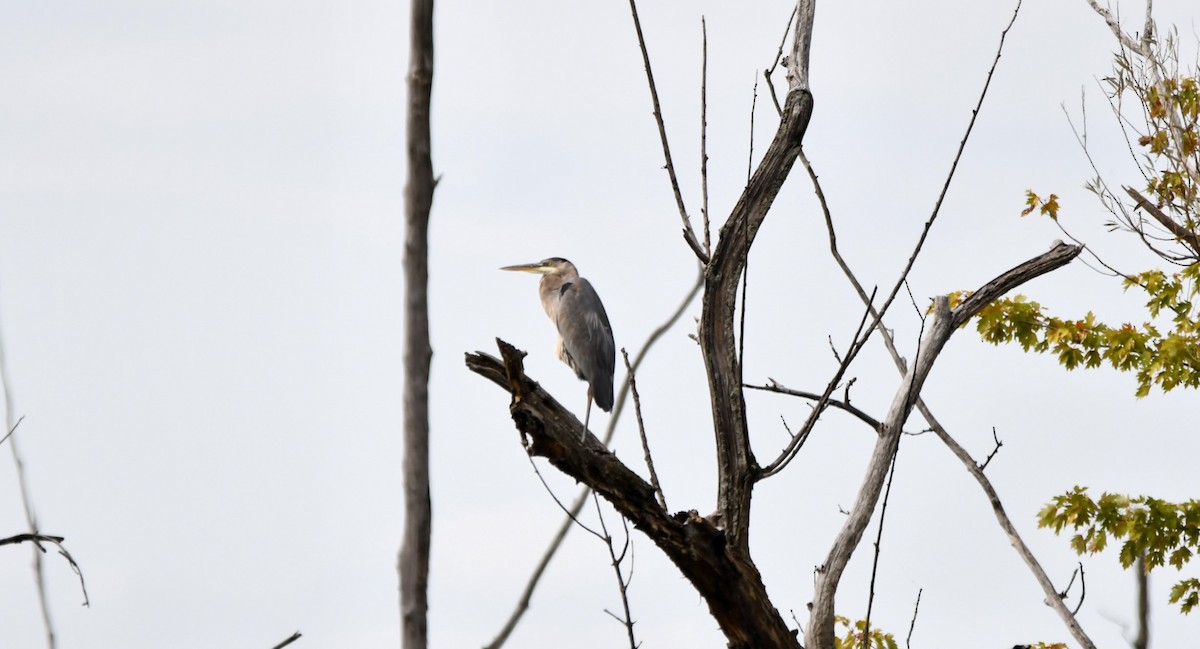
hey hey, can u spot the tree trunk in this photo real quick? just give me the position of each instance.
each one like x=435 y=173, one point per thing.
x=418 y=197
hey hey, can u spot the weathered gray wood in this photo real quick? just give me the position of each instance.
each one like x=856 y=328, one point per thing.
x=819 y=634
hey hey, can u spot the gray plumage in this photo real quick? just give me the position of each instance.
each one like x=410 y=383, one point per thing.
x=585 y=340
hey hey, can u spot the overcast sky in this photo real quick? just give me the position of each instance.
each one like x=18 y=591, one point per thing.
x=201 y=291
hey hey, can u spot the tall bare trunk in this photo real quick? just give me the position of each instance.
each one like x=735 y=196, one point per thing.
x=418 y=197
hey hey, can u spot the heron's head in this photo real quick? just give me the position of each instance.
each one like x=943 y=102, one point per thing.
x=551 y=266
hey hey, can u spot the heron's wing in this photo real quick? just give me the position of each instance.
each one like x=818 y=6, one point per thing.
x=587 y=338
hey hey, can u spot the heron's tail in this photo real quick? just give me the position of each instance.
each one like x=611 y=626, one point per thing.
x=602 y=394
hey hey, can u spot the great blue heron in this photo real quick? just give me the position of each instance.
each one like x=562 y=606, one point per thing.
x=585 y=340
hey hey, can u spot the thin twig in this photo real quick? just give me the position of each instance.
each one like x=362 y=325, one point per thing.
x=12 y=430
x=875 y=561
x=746 y=251
x=559 y=502
x=292 y=638
x=789 y=452
x=937 y=206
x=778 y=388
x=1008 y=528
x=637 y=409
x=1082 y=590
x=536 y=576
x=688 y=234
x=1071 y=582
x=36 y=539
x=994 y=450
x=750 y=153
x=913 y=299
x=913 y=623
x=39 y=575
x=704 y=134
x=616 y=564
x=778 y=57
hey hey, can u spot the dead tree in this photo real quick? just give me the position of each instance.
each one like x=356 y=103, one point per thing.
x=713 y=553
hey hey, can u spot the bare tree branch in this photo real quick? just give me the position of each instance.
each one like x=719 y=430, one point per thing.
x=797 y=65
x=778 y=57
x=1052 y=598
x=887 y=492
x=736 y=466
x=1125 y=39
x=728 y=582
x=969 y=462
x=858 y=341
x=946 y=321
x=995 y=450
x=622 y=584
x=12 y=430
x=1082 y=590
x=637 y=410
x=26 y=500
x=689 y=235
x=913 y=624
x=289 y=640
x=774 y=386
x=1002 y=518
x=704 y=135
x=37 y=539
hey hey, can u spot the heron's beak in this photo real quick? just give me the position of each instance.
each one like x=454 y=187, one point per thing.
x=527 y=268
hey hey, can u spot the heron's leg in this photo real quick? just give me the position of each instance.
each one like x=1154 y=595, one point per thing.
x=587 y=416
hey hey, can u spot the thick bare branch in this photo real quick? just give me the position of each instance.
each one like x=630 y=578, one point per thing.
x=946 y=321
x=797 y=74
x=821 y=621
x=1005 y=524
x=728 y=582
x=735 y=462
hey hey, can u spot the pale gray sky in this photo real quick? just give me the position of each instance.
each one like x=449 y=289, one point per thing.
x=200 y=293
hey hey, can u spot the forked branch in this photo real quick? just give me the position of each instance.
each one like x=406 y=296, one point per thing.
x=736 y=466
x=821 y=625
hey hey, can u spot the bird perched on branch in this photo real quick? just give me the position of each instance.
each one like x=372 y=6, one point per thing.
x=585 y=340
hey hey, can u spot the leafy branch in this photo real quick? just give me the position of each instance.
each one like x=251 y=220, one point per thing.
x=1160 y=531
